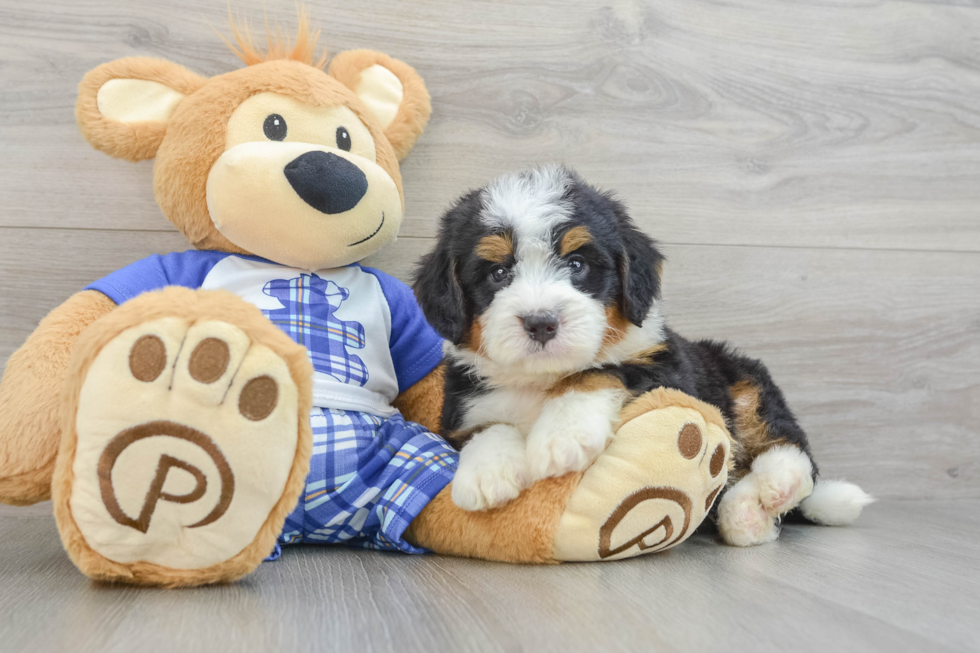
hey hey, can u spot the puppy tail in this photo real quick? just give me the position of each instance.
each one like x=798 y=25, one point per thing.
x=835 y=503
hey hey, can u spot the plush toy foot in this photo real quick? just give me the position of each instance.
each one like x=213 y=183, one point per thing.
x=648 y=491
x=780 y=479
x=186 y=442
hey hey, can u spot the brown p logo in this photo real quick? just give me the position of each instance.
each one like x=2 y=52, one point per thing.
x=155 y=494
x=680 y=499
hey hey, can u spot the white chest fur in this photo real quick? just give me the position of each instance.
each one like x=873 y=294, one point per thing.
x=519 y=407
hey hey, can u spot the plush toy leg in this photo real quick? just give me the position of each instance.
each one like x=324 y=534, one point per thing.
x=654 y=484
x=522 y=531
x=647 y=492
x=186 y=440
x=30 y=398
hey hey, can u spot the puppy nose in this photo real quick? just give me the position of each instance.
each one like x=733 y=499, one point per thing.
x=541 y=326
x=327 y=182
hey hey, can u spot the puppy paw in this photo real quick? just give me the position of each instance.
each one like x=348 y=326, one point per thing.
x=571 y=432
x=780 y=479
x=784 y=476
x=742 y=520
x=492 y=469
x=557 y=449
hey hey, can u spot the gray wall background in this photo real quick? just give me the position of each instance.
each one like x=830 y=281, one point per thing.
x=812 y=171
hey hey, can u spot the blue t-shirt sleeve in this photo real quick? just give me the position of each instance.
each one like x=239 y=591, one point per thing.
x=186 y=269
x=416 y=349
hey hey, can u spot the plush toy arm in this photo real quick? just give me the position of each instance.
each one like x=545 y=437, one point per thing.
x=647 y=492
x=30 y=398
x=522 y=531
x=422 y=403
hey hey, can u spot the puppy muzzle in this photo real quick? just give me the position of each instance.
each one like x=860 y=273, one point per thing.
x=541 y=326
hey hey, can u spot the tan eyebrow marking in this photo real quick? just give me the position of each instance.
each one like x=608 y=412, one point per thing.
x=575 y=238
x=497 y=248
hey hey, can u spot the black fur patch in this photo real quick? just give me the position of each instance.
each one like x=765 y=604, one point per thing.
x=438 y=286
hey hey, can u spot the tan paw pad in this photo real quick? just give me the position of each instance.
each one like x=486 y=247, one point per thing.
x=186 y=436
x=649 y=490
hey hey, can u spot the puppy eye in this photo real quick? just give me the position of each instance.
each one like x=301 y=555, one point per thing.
x=274 y=127
x=577 y=265
x=343 y=139
x=499 y=274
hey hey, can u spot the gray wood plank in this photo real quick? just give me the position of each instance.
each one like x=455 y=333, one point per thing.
x=41 y=268
x=877 y=586
x=877 y=351
x=720 y=123
x=812 y=169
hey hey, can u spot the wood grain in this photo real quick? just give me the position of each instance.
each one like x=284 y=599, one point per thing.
x=845 y=124
x=878 y=351
x=902 y=579
x=813 y=171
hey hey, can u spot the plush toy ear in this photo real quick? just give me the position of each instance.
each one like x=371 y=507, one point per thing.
x=124 y=106
x=392 y=91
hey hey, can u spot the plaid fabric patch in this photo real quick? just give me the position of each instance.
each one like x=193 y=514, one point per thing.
x=309 y=317
x=369 y=478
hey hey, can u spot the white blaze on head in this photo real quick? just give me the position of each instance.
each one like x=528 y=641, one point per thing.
x=529 y=202
x=531 y=206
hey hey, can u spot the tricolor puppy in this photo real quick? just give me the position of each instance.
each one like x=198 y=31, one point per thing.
x=547 y=294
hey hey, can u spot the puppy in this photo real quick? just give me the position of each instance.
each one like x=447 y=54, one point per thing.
x=547 y=295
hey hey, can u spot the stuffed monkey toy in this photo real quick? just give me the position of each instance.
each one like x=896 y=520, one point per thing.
x=191 y=412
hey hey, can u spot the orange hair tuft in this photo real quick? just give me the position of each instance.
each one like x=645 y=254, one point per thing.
x=277 y=47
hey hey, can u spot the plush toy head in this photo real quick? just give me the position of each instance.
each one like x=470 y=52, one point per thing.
x=279 y=159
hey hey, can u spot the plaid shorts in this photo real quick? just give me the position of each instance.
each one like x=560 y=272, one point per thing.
x=369 y=478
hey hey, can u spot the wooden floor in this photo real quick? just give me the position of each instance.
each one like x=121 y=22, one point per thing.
x=812 y=170
x=904 y=580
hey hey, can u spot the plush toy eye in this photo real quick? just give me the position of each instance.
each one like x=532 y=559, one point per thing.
x=275 y=127
x=578 y=266
x=343 y=139
x=498 y=274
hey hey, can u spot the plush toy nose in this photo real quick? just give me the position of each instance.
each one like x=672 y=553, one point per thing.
x=327 y=182
x=541 y=326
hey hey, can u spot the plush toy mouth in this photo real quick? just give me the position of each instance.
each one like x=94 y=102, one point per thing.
x=373 y=234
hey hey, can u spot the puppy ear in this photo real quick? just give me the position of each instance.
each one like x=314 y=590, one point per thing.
x=439 y=293
x=124 y=106
x=391 y=90
x=640 y=266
